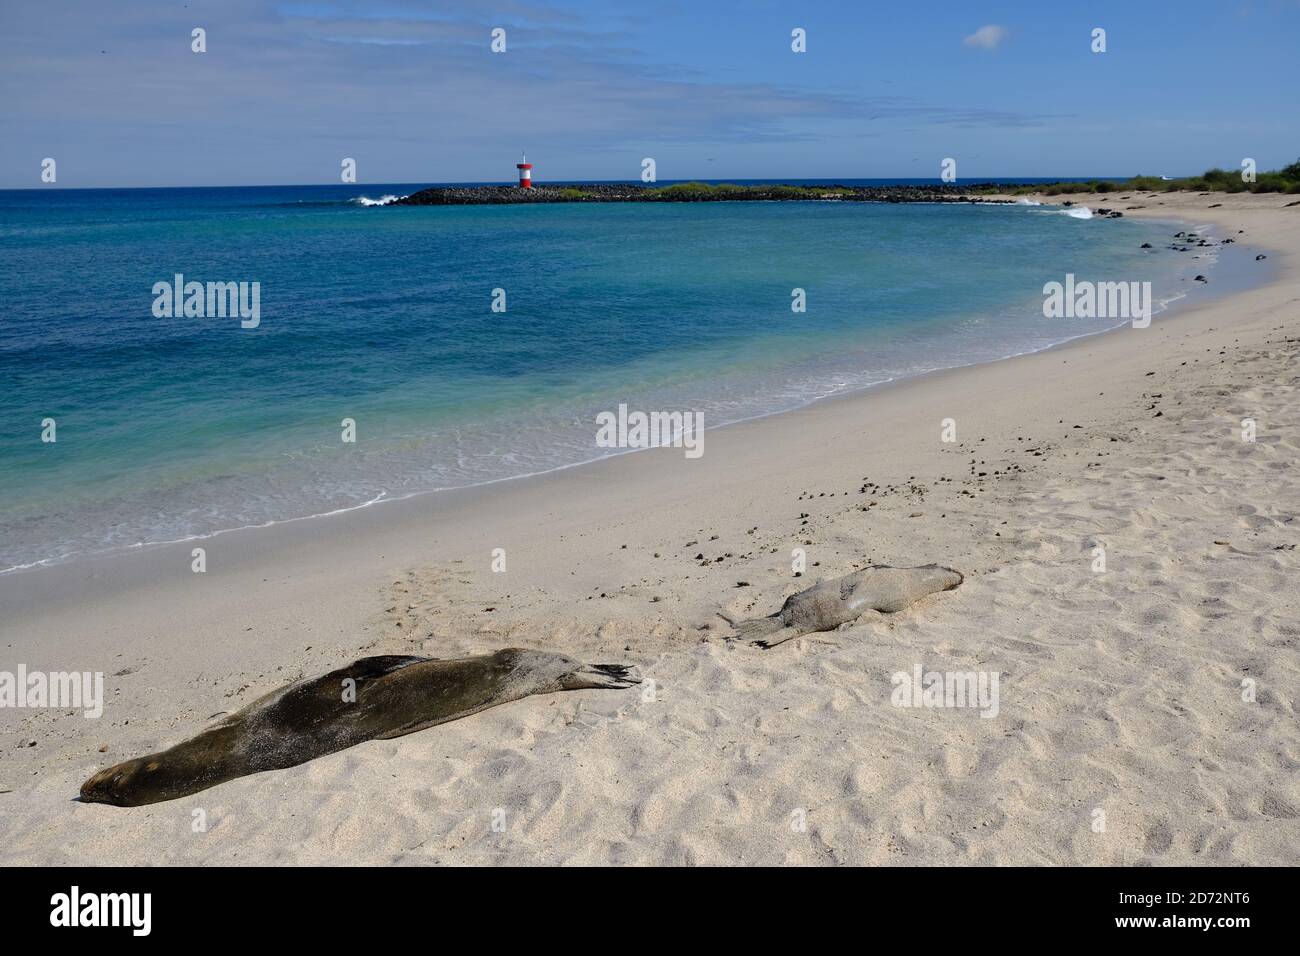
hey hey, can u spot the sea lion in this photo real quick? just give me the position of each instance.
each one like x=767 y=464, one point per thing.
x=828 y=604
x=374 y=698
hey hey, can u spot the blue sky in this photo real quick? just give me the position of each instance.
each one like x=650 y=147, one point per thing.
x=413 y=92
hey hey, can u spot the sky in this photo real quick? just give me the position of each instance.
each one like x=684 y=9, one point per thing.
x=112 y=90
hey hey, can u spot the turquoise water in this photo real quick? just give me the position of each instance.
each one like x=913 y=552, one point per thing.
x=171 y=427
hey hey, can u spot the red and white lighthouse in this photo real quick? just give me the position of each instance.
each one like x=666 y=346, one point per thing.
x=525 y=174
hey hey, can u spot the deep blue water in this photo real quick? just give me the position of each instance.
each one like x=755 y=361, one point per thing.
x=169 y=427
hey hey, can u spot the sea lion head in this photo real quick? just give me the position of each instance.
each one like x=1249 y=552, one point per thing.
x=136 y=782
x=546 y=673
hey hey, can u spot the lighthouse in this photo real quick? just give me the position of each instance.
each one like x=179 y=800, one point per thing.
x=525 y=174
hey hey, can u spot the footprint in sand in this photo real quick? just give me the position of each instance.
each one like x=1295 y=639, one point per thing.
x=1159 y=838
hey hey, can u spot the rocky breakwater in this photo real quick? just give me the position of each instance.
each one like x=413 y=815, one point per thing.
x=695 y=192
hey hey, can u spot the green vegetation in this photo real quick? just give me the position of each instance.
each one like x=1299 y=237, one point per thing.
x=1284 y=180
x=684 y=191
x=804 y=192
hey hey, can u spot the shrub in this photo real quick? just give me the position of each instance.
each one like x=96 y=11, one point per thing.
x=1286 y=179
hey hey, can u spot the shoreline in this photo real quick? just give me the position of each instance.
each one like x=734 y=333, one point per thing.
x=1109 y=680
x=1165 y=307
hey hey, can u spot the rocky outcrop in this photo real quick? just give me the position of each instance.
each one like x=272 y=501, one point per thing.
x=693 y=192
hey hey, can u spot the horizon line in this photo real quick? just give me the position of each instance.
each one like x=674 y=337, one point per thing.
x=775 y=181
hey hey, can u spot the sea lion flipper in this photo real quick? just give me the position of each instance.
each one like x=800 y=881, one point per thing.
x=779 y=636
x=758 y=629
x=606 y=676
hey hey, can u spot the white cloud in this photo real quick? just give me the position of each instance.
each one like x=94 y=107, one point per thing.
x=987 y=37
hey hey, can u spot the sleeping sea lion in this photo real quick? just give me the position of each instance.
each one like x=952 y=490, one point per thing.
x=374 y=698
x=828 y=604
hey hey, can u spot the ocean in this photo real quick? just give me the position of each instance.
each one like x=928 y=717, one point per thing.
x=168 y=427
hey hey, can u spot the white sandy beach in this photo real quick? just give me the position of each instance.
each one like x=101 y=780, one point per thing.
x=1120 y=691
